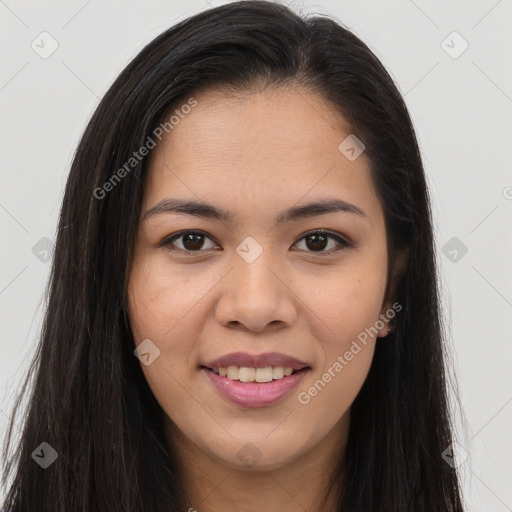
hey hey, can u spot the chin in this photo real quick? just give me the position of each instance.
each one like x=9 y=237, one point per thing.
x=260 y=455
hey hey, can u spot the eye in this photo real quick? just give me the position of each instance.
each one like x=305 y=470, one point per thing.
x=319 y=240
x=189 y=241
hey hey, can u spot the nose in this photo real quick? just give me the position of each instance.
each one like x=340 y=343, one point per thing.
x=256 y=297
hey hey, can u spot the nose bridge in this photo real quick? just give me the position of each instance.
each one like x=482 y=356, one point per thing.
x=256 y=278
x=254 y=294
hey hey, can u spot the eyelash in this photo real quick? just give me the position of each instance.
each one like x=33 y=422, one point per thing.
x=345 y=244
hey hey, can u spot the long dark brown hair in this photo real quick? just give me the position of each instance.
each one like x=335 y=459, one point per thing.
x=88 y=397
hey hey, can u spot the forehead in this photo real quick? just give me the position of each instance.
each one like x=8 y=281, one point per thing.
x=258 y=146
x=294 y=120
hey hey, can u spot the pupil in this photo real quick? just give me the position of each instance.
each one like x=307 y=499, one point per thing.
x=192 y=242
x=319 y=242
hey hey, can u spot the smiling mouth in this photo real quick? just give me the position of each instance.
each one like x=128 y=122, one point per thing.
x=255 y=375
x=255 y=387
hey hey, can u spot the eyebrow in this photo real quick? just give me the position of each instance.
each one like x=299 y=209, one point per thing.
x=208 y=211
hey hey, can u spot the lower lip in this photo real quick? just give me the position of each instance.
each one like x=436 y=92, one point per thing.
x=255 y=394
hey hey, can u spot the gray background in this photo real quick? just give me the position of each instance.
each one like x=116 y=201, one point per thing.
x=461 y=104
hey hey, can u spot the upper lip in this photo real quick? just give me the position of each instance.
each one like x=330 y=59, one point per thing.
x=256 y=360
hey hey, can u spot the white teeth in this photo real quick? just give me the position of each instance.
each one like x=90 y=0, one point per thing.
x=232 y=372
x=246 y=374
x=263 y=374
x=278 y=372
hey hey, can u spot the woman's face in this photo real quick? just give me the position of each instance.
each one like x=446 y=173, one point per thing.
x=257 y=280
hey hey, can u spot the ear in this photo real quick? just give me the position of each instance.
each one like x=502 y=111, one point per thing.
x=397 y=272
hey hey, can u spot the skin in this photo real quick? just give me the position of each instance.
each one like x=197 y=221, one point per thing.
x=257 y=154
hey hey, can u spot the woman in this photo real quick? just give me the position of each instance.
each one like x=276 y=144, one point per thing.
x=243 y=309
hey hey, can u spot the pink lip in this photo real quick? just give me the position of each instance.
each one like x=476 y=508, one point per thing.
x=256 y=361
x=254 y=394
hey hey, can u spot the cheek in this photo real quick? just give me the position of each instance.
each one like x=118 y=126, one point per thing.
x=166 y=307
x=346 y=300
x=161 y=309
x=333 y=390
x=160 y=298
x=346 y=313
x=346 y=306
x=155 y=308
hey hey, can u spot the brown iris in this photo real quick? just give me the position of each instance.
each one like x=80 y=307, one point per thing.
x=192 y=241
x=316 y=242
